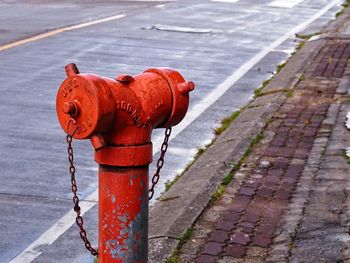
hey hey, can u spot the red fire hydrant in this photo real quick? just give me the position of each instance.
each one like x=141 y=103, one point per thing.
x=118 y=116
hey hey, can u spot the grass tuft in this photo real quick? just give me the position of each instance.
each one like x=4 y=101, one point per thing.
x=225 y=123
x=235 y=167
x=169 y=184
x=174 y=258
x=345 y=5
x=227 y=179
x=257 y=92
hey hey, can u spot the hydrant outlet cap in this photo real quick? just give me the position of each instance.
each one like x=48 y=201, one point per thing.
x=86 y=100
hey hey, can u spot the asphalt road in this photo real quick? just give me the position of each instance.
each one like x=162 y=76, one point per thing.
x=226 y=47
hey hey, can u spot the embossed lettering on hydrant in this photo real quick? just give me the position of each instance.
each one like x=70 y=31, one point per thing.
x=127 y=107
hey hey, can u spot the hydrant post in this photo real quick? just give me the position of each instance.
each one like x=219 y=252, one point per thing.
x=118 y=116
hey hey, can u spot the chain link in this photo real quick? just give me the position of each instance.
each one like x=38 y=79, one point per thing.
x=160 y=162
x=79 y=220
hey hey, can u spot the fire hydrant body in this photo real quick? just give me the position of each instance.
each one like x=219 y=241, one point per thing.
x=118 y=116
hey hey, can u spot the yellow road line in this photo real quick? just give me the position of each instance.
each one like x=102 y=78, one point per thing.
x=58 y=31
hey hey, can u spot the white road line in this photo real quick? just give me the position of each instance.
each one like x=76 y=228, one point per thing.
x=215 y=94
x=38 y=246
x=181 y=151
x=63 y=224
x=285 y=3
x=58 y=31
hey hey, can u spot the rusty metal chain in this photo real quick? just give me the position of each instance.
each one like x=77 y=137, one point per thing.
x=79 y=219
x=160 y=162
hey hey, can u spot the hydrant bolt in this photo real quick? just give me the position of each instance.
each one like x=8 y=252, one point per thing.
x=70 y=108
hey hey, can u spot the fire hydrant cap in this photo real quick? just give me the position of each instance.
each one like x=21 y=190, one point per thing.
x=84 y=99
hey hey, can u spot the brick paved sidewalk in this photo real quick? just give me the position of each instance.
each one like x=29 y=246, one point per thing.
x=288 y=201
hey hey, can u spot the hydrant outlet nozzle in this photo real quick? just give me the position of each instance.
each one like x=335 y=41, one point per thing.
x=70 y=108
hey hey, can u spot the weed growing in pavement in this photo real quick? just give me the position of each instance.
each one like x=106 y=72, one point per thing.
x=302 y=77
x=257 y=92
x=96 y=260
x=253 y=142
x=298 y=47
x=304 y=39
x=169 y=184
x=344 y=154
x=289 y=93
x=235 y=167
x=217 y=194
x=280 y=67
x=345 y=5
x=307 y=37
x=225 y=123
x=174 y=258
x=228 y=178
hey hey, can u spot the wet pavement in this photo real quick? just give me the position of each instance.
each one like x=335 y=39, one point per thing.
x=227 y=49
x=288 y=201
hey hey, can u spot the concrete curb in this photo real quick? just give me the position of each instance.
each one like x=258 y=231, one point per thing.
x=188 y=198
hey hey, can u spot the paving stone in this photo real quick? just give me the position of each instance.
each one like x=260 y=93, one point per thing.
x=228 y=259
x=206 y=259
x=269 y=178
x=262 y=240
x=271 y=185
x=277 y=143
x=240 y=238
x=307 y=139
x=292 y=145
x=246 y=228
x=267 y=229
x=242 y=199
x=238 y=208
x=253 y=184
x=275 y=172
x=224 y=225
x=302 y=154
x=257 y=252
x=218 y=236
x=280 y=163
x=286 y=152
x=304 y=145
x=268 y=219
x=265 y=192
x=251 y=217
x=246 y=191
x=283 y=194
x=294 y=170
x=213 y=215
x=231 y=216
x=235 y=251
x=261 y=202
x=291 y=180
x=212 y=248
x=287 y=186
